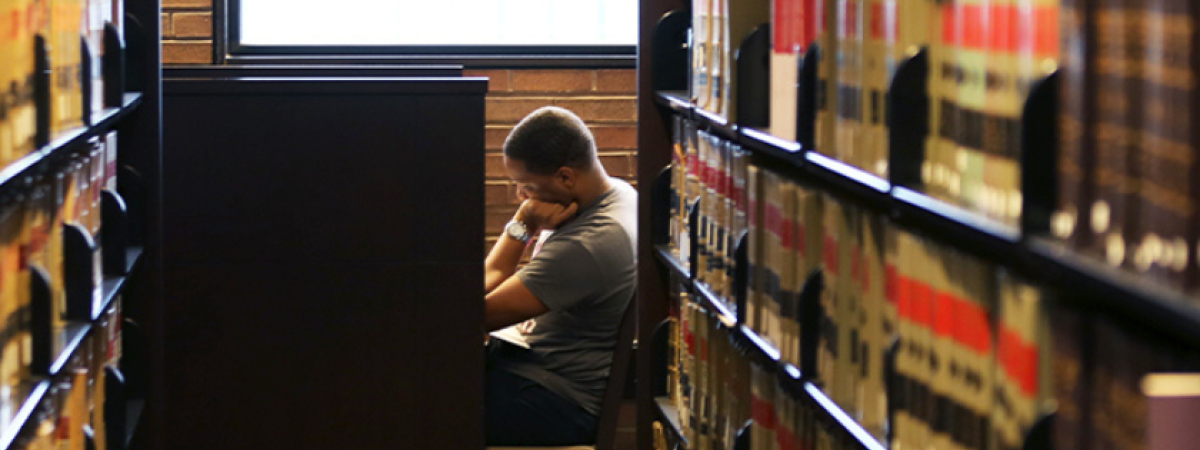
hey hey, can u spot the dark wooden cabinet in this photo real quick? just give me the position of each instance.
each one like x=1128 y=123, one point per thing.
x=323 y=279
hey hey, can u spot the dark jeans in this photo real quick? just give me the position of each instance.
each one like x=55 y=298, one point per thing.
x=521 y=412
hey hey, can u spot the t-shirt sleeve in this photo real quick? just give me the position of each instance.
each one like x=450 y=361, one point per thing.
x=563 y=275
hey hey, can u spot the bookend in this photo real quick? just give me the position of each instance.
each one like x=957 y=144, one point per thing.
x=135 y=43
x=41 y=91
x=891 y=386
x=89 y=437
x=1039 y=156
x=694 y=239
x=1041 y=434
x=114 y=409
x=135 y=359
x=908 y=120
x=42 y=328
x=661 y=346
x=662 y=202
x=810 y=320
x=114 y=233
x=753 y=89
x=742 y=441
x=806 y=102
x=741 y=275
x=85 y=78
x=82 y=273
x=114 y=67
x=669 y=69
x=132 y=188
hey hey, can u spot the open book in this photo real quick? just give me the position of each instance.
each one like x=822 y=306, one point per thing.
x=511 y=335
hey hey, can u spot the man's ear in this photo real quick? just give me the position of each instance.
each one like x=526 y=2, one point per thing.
x=566 y=176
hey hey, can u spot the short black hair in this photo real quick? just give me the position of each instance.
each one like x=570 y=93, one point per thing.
x=549 y=138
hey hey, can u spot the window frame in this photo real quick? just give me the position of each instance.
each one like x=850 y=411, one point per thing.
x=228 y=49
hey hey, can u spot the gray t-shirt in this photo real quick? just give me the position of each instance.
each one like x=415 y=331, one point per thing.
x=585 y=274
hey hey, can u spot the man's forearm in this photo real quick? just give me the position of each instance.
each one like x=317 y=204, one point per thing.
x=502 y=261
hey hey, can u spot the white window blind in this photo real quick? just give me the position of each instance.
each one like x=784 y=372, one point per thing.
x=438 y=22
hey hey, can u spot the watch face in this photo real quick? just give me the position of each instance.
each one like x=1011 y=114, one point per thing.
x=517 y=229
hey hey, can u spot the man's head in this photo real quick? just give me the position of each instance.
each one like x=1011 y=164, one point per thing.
x=549 y=154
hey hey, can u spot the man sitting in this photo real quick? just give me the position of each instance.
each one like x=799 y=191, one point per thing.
x=575 y=289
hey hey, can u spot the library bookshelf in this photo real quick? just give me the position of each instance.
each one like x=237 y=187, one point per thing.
x=81 y=143
x=777 y=380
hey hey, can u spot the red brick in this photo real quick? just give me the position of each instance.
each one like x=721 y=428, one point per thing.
x=193 y=24
x=488 y=243
x=619 y=80
x=615 y=137
x=497 y=193
x=602 y=109
x=167 y=30
x=187 y=52
x=496 y=217
x=512 y=110
x=498 y=80
x=495 y=136
x=192 y=4
x=616 y=164
x=494 y=166
x=552 y=80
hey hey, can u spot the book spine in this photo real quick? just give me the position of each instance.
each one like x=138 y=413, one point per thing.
x=827 y=73
x=827 y=366
x=787 y=21
x=772 y=183
x=1009 y=75
x=9 y=29
x=875 y=85
x=971 y=101
x=1114 y=130
x=1075 y=122
x=788 y=269
x=849 y=82
x=701 y=80
x=1166 y=155
x=754 y=251
x=939 y=171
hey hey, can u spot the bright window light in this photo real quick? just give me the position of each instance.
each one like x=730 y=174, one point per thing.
x=439 y=22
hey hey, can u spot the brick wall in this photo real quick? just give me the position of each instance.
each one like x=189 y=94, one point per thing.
x=187 y=30
x=605 y=99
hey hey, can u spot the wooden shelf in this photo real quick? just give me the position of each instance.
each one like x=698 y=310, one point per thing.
x=70 y=139
x=73 y=335
x=664 y=255
x=1041 y=260
x=670 y=419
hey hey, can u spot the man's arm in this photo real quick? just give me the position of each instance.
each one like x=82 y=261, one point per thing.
x=501 y=262
x=510 y=303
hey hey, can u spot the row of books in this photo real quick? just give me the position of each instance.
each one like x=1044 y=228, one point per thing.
x=705 y=176
x=73 y=414
x=1111 y=387
x=67 y=28
x=720 y=394
x=32 y=220
x=985 y=55
x=880 y=284
x=718 y=28
x=709 y=380
x=1128 y=158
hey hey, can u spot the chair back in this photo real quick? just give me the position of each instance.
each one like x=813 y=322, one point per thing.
x=610 y=406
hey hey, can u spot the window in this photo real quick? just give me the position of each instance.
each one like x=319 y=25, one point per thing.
x=539 y=27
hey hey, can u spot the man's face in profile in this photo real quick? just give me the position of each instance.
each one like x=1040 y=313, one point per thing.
x=545 y=188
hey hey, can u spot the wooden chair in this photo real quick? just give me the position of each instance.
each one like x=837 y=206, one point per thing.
x=610 y=406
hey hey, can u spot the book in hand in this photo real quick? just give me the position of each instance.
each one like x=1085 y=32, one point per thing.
x=512 y=335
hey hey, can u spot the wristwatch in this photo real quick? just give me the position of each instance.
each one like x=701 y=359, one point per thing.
x=517 y=230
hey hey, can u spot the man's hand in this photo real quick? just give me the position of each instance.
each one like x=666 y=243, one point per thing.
x=538 y=214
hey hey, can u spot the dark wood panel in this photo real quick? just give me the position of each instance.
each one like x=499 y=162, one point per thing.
x=324 y=277
x=313 y=70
